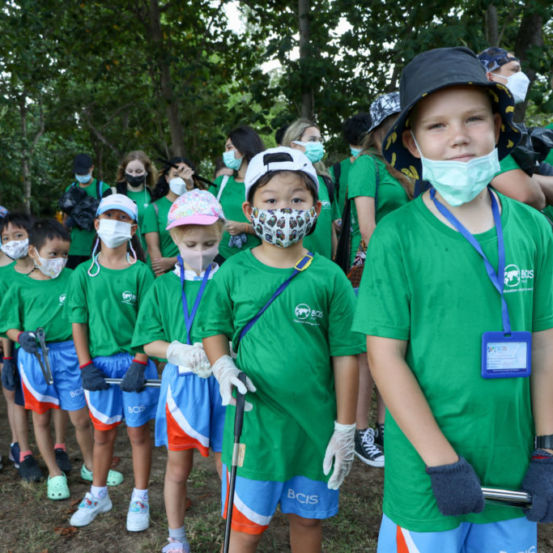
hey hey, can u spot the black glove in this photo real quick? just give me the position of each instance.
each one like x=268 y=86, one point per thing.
x=27 y=341
x=545 y=169
x=93 y=378
x=538 y=482
x=8 y=374
x=456 y=488
x=134 y=380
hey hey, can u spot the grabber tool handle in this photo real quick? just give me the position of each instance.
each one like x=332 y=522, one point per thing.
x=152 y=383
x=511 y=497
x=240 y=402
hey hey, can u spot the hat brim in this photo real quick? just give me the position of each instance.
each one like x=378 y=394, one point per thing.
x=399 y=157
x=118 y=207
x=198 y=219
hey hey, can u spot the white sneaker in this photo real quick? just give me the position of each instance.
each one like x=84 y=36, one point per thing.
x=89 y=507
x=138 y=517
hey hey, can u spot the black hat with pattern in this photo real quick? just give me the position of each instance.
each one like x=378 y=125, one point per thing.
x=384 y=106
x=434 y=70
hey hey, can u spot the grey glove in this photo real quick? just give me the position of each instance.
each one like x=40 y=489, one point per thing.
x=134 y=380
x=538 y=482
x=27 y=340
x=93 y=378
x=8 y=374
x=456 y=488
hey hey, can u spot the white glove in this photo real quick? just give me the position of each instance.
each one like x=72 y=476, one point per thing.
x=226 y=373
x=341 y=449
x=189 y=358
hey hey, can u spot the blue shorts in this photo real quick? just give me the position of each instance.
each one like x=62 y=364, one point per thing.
x=109 y=407
x=66 y=391
x=189 y=413
x=17 y=388
x=255 y=501
x=515 y=535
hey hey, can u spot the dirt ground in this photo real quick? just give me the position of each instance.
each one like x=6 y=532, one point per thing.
x=30 y=523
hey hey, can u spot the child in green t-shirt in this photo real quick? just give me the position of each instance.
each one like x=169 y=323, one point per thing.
x=456 y=301
x=298 y=355
x=190 y=414
x=37 y=300
x=104 y=301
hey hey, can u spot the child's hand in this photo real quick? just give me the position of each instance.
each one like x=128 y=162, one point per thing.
x=456 y=488
x=234 y=227
x=340 y=449
x=190 y=357
x=538 y=482
x=8 y=374
x=134 y=380
x=27 y=340
x=226 y=373
x=93 y=378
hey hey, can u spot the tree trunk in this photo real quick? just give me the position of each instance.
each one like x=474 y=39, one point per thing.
x=492 y=32
x=306 y=85
x=529 y=36
x=25 y=155
x=161 y=59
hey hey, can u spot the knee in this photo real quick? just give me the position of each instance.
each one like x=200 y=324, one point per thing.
x=139 y=436
x=80 y=420
x=304 y=523
x=41 y=420
x=246 y=541
x=177 y=473
x=104 y=437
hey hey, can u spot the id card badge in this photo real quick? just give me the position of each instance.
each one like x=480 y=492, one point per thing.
x=506 y=355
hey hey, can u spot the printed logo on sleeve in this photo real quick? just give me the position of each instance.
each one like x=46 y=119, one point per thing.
x=128 y=297
x=304 y=314
x=518 y=280
x=62 y=298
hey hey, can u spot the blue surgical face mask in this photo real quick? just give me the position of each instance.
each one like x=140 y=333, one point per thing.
x=83 y=179
x=231 y=161
x=314 y=151
x=459 y=182
x=355 y=151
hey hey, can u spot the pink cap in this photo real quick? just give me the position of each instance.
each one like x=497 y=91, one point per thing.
x=197 y=207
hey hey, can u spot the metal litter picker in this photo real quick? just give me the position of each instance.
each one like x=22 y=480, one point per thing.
x=153 y=383
x=508 y=497
x=44 y=362
x=237 y=458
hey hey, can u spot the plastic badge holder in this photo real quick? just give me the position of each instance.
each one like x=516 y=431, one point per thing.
x=506 y=355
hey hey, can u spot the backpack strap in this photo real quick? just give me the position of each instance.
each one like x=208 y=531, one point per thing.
x=222 y=186
x=300 y=266
x=330 y=187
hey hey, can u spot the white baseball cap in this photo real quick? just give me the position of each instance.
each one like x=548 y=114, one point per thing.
x=118 y=201
x=281 y=158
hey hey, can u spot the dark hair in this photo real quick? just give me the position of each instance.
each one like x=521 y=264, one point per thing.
x=47 y=229
x=268 y=176
x=356 y=127
x=162 y=186
x=21 y=220
x=246 y=141
x=279 y=134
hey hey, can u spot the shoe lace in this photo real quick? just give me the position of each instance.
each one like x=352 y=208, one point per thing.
x=367 y=440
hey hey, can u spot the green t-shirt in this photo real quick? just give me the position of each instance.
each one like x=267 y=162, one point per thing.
x=231 y=199
x=161 y=315
x=342 y=186
x=508 y=163
x=83 y=240
x=362 y=181
x=320 y=241
x=426 y=285
x=155 y=220
x=8 y=275
x=287 y=354
x=108 y=303
x=142 y=200
x=549 y=158
x=30 y=304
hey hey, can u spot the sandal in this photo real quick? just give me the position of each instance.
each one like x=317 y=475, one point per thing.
x=175 y=546
x=57 y=487
x=114 y=477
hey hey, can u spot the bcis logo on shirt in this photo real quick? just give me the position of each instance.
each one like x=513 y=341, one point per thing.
x=304 y=314
x=128 y=297
x=518 y=280
x=62 y=298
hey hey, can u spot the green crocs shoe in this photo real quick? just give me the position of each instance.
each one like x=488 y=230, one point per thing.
x=58 y=488
x=114 y=477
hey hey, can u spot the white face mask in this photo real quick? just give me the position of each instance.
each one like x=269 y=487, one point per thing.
x=177 y=186
x=114 y=233
x=518 y=84
x=198 y=260
x=16 y=249
x=50 y=267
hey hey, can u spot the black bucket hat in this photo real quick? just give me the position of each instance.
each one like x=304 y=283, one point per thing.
x=431 y=71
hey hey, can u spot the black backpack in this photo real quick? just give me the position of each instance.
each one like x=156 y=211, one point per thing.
x=79 y=206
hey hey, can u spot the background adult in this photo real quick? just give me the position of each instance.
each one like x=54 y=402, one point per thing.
x=241 y=145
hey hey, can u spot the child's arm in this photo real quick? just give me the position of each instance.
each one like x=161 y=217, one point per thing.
x=538 y=480
x=80 y=338
x=215 y=347
x=346 y=380
x=157 y=348
x=406 y=402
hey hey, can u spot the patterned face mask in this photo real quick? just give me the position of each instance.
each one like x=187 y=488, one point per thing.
x=283 y=227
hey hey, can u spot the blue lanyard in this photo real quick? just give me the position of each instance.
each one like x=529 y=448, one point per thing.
x=189 y=318
x=300 y=266
x=497 y=278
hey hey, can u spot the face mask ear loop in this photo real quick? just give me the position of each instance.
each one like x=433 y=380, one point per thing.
x=132 y=260
x=94 y=260
x=416 y=143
